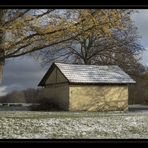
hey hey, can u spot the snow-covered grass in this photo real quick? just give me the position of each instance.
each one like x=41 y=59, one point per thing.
x=73 y=125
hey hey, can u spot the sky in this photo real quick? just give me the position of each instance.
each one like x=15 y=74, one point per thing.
x=141 y=21
x=25 y=72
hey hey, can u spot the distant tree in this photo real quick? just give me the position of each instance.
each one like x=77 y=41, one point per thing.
x=138 y=93
x=31 y=95
x=39 y=96
x=14 y=97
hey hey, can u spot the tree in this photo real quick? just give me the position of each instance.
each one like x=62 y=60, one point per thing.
x=102 y=44
x=23 y=31
x=28 y=30
x=1 y=41
x=13 y=97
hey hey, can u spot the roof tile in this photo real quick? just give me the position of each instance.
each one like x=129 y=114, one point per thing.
x=94 y=74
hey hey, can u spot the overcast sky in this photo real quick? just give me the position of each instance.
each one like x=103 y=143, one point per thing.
x=141 y=21
x=25 y=72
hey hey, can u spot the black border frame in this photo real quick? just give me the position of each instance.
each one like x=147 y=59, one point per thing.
x=74 y=3
x=127 y=4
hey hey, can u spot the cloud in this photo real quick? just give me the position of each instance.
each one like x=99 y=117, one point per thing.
x=21 y=73
x=145 y=57
x=141 y=22
x=3 y=90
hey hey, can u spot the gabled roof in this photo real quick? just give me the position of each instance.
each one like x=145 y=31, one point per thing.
x=90 y=74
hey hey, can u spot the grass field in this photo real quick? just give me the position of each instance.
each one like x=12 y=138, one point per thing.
x=69 y=125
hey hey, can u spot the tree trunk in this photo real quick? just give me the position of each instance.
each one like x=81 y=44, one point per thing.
x=1 y=50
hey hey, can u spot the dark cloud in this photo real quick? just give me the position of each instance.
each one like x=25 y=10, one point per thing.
x=21 y=73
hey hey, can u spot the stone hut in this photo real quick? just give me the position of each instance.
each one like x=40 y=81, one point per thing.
x=87 y=87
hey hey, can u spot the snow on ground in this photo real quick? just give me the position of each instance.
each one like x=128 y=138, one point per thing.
x=73 y=125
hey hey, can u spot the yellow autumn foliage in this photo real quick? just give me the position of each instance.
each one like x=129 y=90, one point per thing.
x=34 y=32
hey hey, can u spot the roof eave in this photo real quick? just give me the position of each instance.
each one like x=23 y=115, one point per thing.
x=94 y=83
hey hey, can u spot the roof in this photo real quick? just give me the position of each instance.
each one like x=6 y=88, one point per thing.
x=91 y=74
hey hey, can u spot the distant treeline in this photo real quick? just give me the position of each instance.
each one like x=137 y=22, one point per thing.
x=31 y=96
x=138 y=93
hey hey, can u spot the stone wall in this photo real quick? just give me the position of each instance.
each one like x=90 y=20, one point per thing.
x=98 y=98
